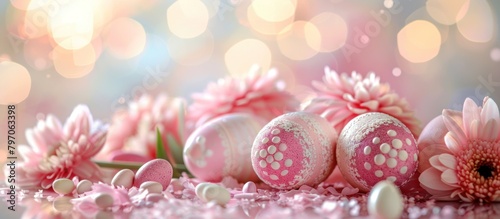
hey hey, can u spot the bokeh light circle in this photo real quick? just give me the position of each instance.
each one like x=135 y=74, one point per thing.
x=333 y=31
x=419 y=41
x=15 y=85
x=124 y=38
x=266 y=27
x=187 y=18
x=71 y=26
x=299 y=41
x=74 y=63
x=275 y=10
x=445 y=11
x=478 y=24
x=245 y=54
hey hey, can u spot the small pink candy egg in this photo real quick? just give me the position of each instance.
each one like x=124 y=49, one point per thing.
x=157 y=170
x=222 y=148
x=373 y=147
x=294 y=149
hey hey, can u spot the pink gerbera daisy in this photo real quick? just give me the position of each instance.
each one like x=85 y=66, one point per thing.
x=340 y=98
x=258 y=94
x=460 y=154
x=133 y=129
x=57 y=151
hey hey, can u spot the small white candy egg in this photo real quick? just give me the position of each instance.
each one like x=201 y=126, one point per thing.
x=249 y=187
x=152 y=186
x=216 y=193
x=123 y=178
x=63 y=186
x=385 y=201
x=84 y=186
x=103 y=200
x=199 y=190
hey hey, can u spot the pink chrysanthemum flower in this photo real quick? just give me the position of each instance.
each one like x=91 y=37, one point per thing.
x=341 y=98
x=133 y=129
x=57 y=151
x=460 y=154
x=258 y=94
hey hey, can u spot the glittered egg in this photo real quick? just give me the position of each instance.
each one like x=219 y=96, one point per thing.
x=221 y=148
x=373 y=147
x=294 y=149
x=157 y=170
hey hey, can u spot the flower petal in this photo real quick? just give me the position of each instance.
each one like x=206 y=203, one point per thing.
x=489 y=111
x=372 y=105
x=454 y=127
x=471 y=112
x=452 y=143
x=436 y=163
x=431 y=178
x=450 y=178
x=474 y=129
x=490 y=130
x=448 y=161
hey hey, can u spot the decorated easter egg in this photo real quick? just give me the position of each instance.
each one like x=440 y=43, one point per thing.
x=157 y=170
x=294 y=149
x=373 y=147
x=221 y=148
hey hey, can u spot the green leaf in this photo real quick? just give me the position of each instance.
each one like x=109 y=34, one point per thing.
x=160 y=149
x=175 y=149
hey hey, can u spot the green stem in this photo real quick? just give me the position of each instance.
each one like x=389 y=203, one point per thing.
x=119 y=165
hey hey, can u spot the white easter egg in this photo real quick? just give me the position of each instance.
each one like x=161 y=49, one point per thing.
x=63 y=186
x=123 y=178
x=222 y=147
x=385 y=201
x=152 y=186
x=84 y=186
x=216 y=193
x=103 y=200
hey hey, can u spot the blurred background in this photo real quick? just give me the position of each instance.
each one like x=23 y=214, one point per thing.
x=55 y=54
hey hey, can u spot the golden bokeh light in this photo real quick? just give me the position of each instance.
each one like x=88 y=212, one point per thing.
x=299 y=41
x=419 y=41
x=72 y=26
x=187 y=18
x=74 y=63
x=124 y=47
x=191 y=51
x=422 y=14
x=36 y=19
x=275 y=10
x=245 y=54
x=333 y=31
x=447 y=12
x=478 y=24
x=266 y=27
x=15 y=85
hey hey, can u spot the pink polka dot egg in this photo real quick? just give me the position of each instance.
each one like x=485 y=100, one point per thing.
x=221 y=147
x=294 y=149
x=373 y=147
